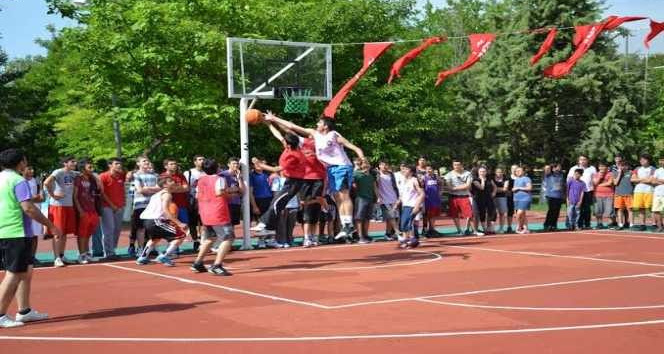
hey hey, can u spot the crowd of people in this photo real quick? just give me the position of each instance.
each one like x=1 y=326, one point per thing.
x=314 y=184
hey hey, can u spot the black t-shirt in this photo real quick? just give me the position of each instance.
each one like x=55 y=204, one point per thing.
x=500 y=184
x=485 y=193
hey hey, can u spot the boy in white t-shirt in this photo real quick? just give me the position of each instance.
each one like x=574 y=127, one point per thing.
x=658 y=199
x=643 y=191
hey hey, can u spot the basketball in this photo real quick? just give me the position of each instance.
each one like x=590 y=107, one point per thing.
x=254 y=116
x=173 y=209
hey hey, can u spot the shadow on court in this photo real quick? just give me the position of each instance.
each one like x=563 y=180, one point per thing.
x=126 y=311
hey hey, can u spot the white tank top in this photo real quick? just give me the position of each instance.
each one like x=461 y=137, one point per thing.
x=408 y=193
x=155 y=208
x=329 y=151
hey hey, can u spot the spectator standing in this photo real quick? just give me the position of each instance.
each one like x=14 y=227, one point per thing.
x=603 y=182
x=113 y=202
x=553 y=183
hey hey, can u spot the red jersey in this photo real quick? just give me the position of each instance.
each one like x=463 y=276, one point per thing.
x=180 y=199
x=292 y=163
x=313 y=169
x=113 y=188
x=213 y=209
x=85 y=194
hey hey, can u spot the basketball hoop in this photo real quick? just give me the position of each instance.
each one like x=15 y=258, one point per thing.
x=297 y=100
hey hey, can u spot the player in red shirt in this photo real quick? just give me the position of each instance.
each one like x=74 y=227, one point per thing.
x=291 y=164
x=113 y=197
x=180 y=190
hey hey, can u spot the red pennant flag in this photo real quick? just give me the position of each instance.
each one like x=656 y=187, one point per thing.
x=655 y=29
x=479 y=45
x=614 y=23
x=410 y=56
x=372 y=51
x=546 y=46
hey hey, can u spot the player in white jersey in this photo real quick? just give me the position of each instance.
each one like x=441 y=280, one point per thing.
x=330 y=151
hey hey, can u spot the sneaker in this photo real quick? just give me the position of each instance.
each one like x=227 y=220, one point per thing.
x=413 y=243
x=307 y=243
x=58 y=263
x=259 y=227
x=217 y=269
x=261 y=244
x=477 y=233
x=31 y=316
x=315 y=242
x=467 y=233
x=341 y=234
x=388 y=237
x=143 y=261
x=83 y=259
x=165 y=260
x=198 y=268
x=270 y=244
x=364 y=241
x=264 y=232
x=139 y=251
x=131 y=251
x=7 y=322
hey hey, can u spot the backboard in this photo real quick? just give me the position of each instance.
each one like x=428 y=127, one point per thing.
x=259 y=68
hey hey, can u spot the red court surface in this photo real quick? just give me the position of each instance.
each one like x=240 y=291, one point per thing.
x=583 y=292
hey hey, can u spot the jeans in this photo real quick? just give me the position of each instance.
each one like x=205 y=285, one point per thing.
x=572 y=214
x=97 y=247
x=553 y=212
x=111 y=225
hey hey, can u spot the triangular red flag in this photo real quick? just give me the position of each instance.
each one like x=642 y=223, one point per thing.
x=545 y=47
x=584 y=38
x=479 y=45
x=616 y=22
x=655 y=29
x=411 y=55
x=372 y=51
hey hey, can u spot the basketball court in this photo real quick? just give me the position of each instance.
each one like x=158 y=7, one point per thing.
x=566 y=292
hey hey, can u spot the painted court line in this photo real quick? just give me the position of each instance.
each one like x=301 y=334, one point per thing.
x=494 y=290
x=227 y=288
x=521 y=308
x=541 y=254
x=340 y=337
x=627 y=235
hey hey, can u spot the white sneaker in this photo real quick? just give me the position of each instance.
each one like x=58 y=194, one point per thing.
x=340 y=235
x=307 y=243
x=286 y=245
x=261 y=244
x=259 y=227
x=272 y=244
x=315 y=241
x=7 y=322
x=31 y=316
x=58 y=262
x=83 y=259
x=264 y=232
x=477 y=233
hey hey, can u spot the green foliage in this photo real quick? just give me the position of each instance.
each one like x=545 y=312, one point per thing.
x=164 y=61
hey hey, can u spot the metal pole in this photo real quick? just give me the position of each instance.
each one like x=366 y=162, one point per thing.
x=244 y=165
x=116 y=128
x=626 y=52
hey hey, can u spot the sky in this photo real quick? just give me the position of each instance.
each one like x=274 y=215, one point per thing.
x=23 y=21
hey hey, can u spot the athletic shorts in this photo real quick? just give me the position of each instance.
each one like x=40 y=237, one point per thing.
x=312 y=189
x=236 y=213
x=225 y=232
x=522 y=204
x=389 y=211
x=658 y=204
x=63 y=217
x=363 y=209
x=16 y=254
x=501 y=205
x=158 y=229
x=433 y=212
x=460 y=207
x=622 y=202
x=339 y=178
x=603 y=206
x=642 y=201
x=87 y=224
x=311 y=213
